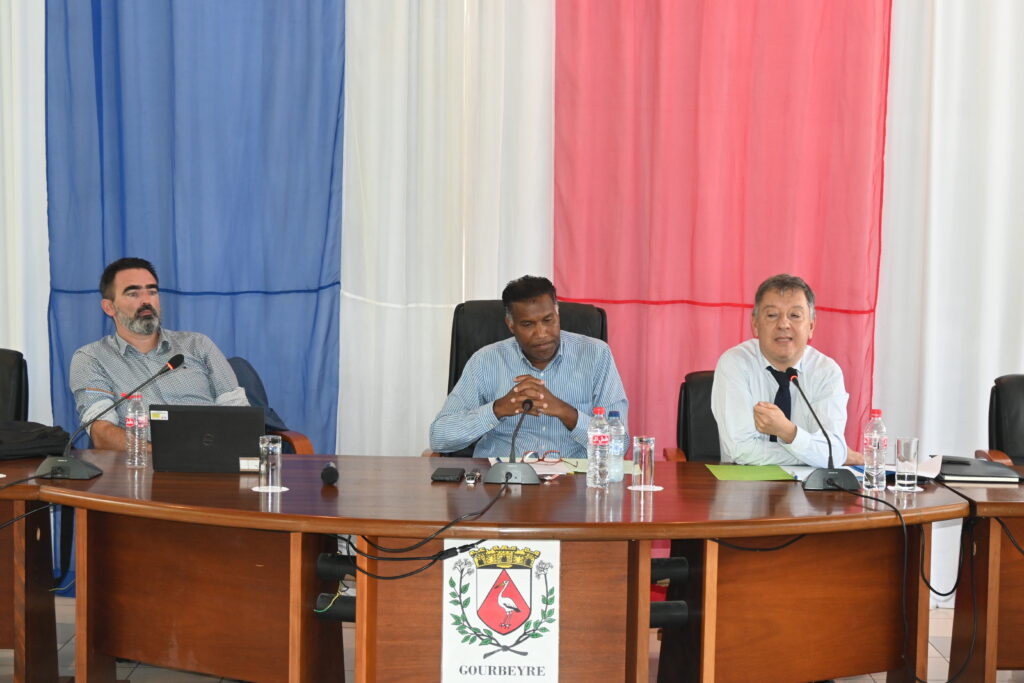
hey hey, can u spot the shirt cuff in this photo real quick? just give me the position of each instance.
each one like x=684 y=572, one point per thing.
x=579 y=432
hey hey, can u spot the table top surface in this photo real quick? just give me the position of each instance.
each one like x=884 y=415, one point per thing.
x=394 y=496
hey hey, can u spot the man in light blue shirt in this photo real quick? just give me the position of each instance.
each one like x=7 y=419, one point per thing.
x=566 y=375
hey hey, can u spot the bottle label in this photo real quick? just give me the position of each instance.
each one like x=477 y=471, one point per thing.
x=129 y=421
x=600 y=439
x=885 y=442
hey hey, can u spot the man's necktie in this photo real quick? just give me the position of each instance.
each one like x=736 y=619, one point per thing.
x=782 y=399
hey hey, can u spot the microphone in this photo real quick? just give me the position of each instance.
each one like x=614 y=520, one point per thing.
x=527 y=407
x=64 y=466
x=822 y=478
x=329 y=474
x=513 y=472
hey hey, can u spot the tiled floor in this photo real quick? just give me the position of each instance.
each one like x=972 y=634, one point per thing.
x=941 y=629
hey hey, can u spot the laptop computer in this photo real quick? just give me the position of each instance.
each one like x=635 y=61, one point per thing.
x=204 y=438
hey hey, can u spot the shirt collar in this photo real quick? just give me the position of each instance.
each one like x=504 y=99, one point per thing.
x=162 y=343
x=556 y=359
x=765 y=363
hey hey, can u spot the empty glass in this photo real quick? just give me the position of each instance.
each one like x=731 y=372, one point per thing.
x=643 y=464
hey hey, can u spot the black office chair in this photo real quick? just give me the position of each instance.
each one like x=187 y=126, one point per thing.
x=696 y=429
x=476 y=324
x=13 y=386
x=1006 y=420
x=250 y=380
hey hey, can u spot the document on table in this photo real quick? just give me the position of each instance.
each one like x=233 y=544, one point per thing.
x=750 y=473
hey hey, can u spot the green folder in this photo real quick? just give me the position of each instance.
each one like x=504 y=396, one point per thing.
x=750 y=473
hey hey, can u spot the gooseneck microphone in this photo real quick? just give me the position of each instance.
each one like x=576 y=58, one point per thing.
x=64 y=466
x=527 y=407
x=513 y=472
x=828 y=478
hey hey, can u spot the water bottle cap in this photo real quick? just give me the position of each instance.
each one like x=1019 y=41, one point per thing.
x=613 y=413
x=875 y=412
x=598 y=410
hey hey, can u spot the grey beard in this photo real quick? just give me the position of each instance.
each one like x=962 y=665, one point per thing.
x=142 y=326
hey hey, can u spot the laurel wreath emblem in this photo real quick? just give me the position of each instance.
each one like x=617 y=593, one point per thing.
x=484 y=636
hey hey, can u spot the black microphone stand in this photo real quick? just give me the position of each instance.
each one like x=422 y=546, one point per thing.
x=65 y=466
x=513 y=472
x=829 y=478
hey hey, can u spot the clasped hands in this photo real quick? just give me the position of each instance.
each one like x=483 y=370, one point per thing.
x=544 y=402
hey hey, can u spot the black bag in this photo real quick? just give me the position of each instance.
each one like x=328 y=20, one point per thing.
x=19 y=439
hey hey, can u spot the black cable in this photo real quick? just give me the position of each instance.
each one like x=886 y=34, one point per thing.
x=959 y=568
x=1006 y=530
x=449 y=525
x=903 y=584
x=22 y=481
x=969 y=527
x=751 y=549
x=382 y=558
x=442 y=555
x=23 y=516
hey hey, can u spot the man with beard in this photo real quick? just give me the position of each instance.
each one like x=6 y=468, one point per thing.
x=103 y=370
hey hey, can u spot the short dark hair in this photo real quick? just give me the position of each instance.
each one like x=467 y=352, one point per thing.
x=127 y=263
x=783 y=283
x=525 y=288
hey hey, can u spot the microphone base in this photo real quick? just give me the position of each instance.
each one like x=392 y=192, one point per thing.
x=831 y=479
x=521 y=473
x=66 y=467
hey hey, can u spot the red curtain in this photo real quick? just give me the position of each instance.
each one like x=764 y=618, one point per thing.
x=701 y=147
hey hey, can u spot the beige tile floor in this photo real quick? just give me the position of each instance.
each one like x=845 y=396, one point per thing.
x=941 y=628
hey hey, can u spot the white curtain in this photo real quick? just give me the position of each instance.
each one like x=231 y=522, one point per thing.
x=950 y=316
x=447 y=194
x=24 y=243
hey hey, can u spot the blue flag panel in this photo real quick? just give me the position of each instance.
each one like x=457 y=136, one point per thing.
x=205 y=137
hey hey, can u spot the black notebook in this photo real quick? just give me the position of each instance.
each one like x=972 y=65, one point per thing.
x=975 y=470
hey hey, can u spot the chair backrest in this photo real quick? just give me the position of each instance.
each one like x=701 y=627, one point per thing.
x=696 y=429
x=1006 y=417
x=476 y=324
x=250 y=380
x=13 y=385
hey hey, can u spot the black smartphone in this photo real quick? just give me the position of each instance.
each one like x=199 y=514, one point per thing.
x=448 y=474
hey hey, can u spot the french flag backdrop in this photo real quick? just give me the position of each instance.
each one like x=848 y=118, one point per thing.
x=701 y=147
x=657 y=158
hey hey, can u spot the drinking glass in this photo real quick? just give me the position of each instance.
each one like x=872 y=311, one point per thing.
x=270 y=465
x=906 y=464
x=643 y=460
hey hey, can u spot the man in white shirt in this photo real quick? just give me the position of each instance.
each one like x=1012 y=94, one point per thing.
x=761 y=419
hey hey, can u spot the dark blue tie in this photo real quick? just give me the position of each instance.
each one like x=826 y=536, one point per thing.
x=782 y=395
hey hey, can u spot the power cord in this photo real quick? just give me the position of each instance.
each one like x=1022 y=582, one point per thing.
x=430 y=560
x=752 y=549
x=24 y=515
x=449 y=525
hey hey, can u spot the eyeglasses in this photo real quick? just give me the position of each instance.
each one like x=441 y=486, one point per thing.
x=549 y=457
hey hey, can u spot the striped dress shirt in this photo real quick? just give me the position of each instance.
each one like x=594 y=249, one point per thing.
x=582 y=374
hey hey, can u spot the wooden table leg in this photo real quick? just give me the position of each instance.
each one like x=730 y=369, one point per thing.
x=34 y=625
x=638 y=620
x=91 y=665
x=977 y=602
x=917 y=595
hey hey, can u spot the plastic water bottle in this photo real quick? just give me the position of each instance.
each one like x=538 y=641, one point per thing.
x=617 y=430
x=876 y=447
x=136 y=432
x=598 y=450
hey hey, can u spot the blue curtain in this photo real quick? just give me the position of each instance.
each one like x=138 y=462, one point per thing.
x=207 y=138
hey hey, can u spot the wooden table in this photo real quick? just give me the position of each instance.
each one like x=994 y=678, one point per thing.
x=188 y=571
x=990 y=595
x=27 y=623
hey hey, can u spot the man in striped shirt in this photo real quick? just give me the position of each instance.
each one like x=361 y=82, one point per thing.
x=103 y=370
x=566 y=375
